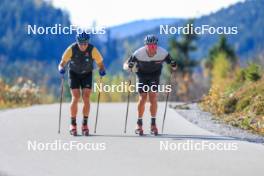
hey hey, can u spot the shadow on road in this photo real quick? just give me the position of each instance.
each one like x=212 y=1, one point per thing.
x=181 y=137
x=168 y=136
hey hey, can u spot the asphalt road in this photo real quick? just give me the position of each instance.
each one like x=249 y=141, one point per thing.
x=110 y=152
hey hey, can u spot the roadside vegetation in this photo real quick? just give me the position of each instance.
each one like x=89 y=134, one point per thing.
x=236 y=95
x=22 y=93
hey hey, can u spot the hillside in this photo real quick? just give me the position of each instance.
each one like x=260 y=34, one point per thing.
x=15 y=43
x=247 y=16
x=137 y=27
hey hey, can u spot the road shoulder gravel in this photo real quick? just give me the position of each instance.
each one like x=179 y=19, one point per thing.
x=206 y=120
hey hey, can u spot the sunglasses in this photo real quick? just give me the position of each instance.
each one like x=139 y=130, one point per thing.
x=152 y=46
x=83 y=44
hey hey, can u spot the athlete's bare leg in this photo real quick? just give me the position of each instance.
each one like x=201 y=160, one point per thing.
x=141 y=104
x=74 y=102
x=86 y=101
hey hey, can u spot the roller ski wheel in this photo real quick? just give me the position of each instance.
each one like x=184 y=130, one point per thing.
x=85 y=130
x=154 y=130
x=139 y=130
x=73 y=130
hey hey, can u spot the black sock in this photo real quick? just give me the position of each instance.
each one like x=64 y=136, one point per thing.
x=73 y=121
x=153 y=121
x=85 y=120
x=140 y=122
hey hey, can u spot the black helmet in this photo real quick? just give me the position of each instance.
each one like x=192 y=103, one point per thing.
x=82 y=37
x=150 y=39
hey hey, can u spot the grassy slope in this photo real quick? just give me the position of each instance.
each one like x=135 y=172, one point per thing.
x=241 y=104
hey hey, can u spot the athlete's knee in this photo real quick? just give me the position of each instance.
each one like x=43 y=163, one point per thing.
x=153 y=99
x=85 y=98
x=86 y=93
x=143 y=98
x=75 y=98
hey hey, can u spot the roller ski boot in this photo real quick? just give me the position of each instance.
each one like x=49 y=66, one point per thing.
x=139 y=130
x=85 y=130
x=154 y=130
x=73 y=130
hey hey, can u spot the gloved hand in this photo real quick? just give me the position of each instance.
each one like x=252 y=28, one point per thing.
x=131 y=65
x=173 y=66
x=102 y=73
x=61 y=70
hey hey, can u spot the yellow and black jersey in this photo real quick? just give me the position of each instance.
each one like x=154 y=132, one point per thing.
x=81 y=61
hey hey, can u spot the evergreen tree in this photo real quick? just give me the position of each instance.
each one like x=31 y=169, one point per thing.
x=180 y=51
x=221 y=46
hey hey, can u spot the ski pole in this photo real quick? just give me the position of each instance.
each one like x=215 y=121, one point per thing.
x=128 y=100
x=61 y=97
x=98 y=103
x=166 y=104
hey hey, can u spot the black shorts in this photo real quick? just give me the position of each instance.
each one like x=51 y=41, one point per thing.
x=77 y=81
x=148 y=84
